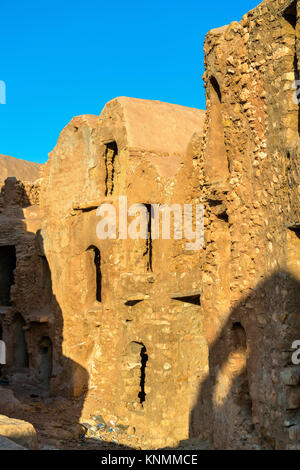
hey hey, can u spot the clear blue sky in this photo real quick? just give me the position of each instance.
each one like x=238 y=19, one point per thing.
x=60 y=59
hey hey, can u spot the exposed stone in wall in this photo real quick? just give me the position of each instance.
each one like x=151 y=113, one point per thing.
x=129 y=339
x=168 y=342
x=26 y=310
x=247 y=278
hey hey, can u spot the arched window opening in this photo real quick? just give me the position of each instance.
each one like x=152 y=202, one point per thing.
x=217 y=163
x=239 y=335
x=241 y=389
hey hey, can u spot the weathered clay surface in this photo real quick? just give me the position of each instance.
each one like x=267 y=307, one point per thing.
x=250 y=266
x=102 y=159
x=151 y=344
x=22 y=169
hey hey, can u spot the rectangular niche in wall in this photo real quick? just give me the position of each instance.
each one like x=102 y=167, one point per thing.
x=149 y=247
x=7 y=267
x=293 y=251
x=111 y=153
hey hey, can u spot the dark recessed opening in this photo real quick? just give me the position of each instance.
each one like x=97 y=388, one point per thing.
x=223 y=216
x=241 y=388
x=144 y=360
x=7 y=267
x=296 y=230
x=136 y=360
x=189 y=299
x=239 y=336
x=149 y=244
x=132 y=303
x=290 y=14
x=97 y=263
x=216 y=87
x=214 y=202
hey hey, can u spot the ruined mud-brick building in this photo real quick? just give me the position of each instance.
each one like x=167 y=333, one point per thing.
x=249 y=181
x=25 y=279
x=173 y=343
x=126 y=322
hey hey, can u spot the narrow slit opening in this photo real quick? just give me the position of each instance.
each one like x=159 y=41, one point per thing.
x=149 y=243
x=97 y=264
x=144 y=360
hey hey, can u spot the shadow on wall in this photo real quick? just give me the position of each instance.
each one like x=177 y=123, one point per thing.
x=235 y=407
x=35 y=360
x=64 y=376
x=244 y=400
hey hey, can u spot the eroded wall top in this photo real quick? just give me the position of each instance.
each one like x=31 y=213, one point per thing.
x=21 y=169
x=154 y=126
x=96 y=157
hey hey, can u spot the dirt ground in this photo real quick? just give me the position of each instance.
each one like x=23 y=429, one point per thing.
x=56 y=423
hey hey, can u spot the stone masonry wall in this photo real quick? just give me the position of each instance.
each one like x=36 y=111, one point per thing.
x=252 y=205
